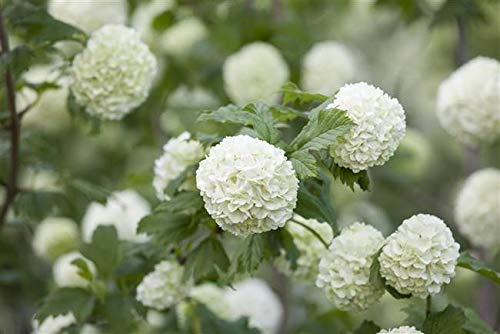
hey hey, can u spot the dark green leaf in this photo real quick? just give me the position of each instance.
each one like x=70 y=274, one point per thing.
x=17 y=60
x=205 y=260
x=248 y=257
x=367 y=327
x=173 y=186
x=292 y=253
x=210 y=323
x=474 y=324
x=304 y=164
x=37 y=205
x=83 y=269
x=119 y=313
x=104 y=250
x=294 y=95
x=91 y=191
x=449 y=321
x=61 y=301
x=168 y=228
x=466 y=260
x=187 y=200
x=344 y=175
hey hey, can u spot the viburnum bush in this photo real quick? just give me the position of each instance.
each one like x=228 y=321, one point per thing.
x=176 y=200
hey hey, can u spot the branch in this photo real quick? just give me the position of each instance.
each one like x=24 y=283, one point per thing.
x=316 y=234
x=14 y=126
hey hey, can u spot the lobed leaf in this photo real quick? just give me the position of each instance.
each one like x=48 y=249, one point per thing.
x=292 y=94
x=104 y=250
x=197 y=266
x=61 y=301
x=467 y=261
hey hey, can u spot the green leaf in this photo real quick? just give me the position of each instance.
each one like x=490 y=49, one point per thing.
x=292 y=253
x=61 y=301
x=91 y=191
x=344 y=175
x=415 y=312
x=37 y=205
x=197 y=265
x=168 y=228
x=248 y=258
x=119 y=313
x=17 y=60
x=104 y=250
x=83 y=269
x=294 y=95
x=174 y=185
x=187 y=200
x=210 y=323
x=466 y=260
x=304 y=164
x=449 y=321
x=377 y=279
x=367 y=327
x=474 y=324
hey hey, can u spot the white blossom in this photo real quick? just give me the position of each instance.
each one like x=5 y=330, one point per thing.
x=123 y=209
x=66 y=274
x=89 y=15
x=328 y=66
x=164 y=287
x=344 y=271
x=380 y=126
x=55 y=236
x=54 y=324
x=254 y=299
x=114 y=73
x=420 y=256
x=477 y=208
x=178 y=154
x=255 y=73
x=401 y=330
x=248 y=185
x=179 y=39
x=468 y=101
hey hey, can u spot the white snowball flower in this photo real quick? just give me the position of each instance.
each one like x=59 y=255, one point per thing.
x=328 y=66
x=420 y=256
x=477 y=208
x=178 y=154
x=164 y=287
x=248 y=185
x=255 y=73
x=55 y=236
x=401 y=330
x=344 y=271
x=254 y=299
x=380 y=126
x=66 y=274
x=179 y=39
x=54 y=324
x=124 y=209
x=114 y=73
x=468 y=101
x=144 y=16
x=89 y=15
x=311 y=249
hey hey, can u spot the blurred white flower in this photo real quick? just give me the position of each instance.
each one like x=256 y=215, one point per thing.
x=254 y=299
x=90 y=329
x=380 y=126
x=248 y=185
x=178 y=154
x=54 y=237
x=420 y=256
x=40 y=179
x=401 y=330
x=344 y=271
x=255 y=73
x=468 y=102
x=477 y=208
x=367 y=212
x=66 y=274
x=179 y=39
x=144 y=16
x=164 y=287
x=328 y=66
x=114 y=73
x=54 y=324
x=123 y=209
x=311 y=249
x=192 y=98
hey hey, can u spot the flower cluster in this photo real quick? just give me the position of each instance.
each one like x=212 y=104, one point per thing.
x=178 y=154
x=54 y=237
x=255 y=73
x=344 y=271
x=420 y=256
x=380 y=126
x=123 y=210
x=66 y=274
x=164 y=287
x=183 y=36
x=468 y=100
x=477 y=209
x=401 y=330
x=328 y=66
x=89 y=15
x=114 y=73
x=250 y=190
x=54 y=324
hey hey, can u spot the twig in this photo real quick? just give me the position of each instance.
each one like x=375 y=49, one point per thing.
x=428 y=306
x=14 y=126
x=312 y=231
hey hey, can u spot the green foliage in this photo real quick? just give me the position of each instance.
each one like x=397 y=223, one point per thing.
x=61 y=301
x=377 y=279
x=295 y=96
x=367 y=327
x=83 y=269
x=167 y=228
x=104 y=250
x=449 y=321
x=90 y=191
x=210 y=323
x=173 y=186
x=119 y=313
x=466 y=260
x=344 y=175
x=197 y=266
x=37 y=205
x=474 y=324
x=190 y=200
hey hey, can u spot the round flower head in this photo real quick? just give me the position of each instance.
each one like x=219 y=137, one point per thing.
x=164 y=287
x=114 y=73
x=420 y=256
x=401 y=330
x=477 y=209
x=327 y=66
x=55 y=236
x=179 y=39
x=468 y=100
x=344 y=271
x=54 y=324
x=123 y=210
x=255 y=73
x=89 y=15
x=178 y=154
x=311 y=249
x=380 y=126
x=254 y=299
x=248 y=185
x=66 y=274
